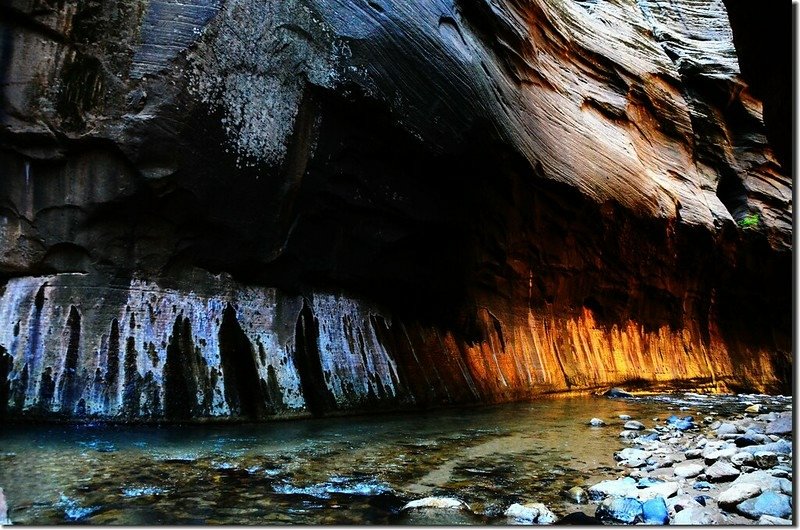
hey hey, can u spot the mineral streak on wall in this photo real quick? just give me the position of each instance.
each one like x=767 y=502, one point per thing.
x=142 y=352
x=254 y=209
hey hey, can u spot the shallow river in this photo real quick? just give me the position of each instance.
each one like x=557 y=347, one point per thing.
x=337 y=470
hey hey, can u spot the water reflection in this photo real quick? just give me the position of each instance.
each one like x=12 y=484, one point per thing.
x=326 y=471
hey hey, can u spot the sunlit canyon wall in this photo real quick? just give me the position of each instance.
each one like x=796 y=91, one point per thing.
x=248 y=210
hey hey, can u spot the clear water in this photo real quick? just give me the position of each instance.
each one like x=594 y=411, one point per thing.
x=347 y=470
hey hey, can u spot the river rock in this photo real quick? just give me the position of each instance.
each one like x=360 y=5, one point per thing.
x=721 y=471
x=620 y=510
x=697 y=515
x=596 y=422
x=737 y=493
x=534 y=513
x=576 y=494
x=630 y=453
x=664 y=490
x=702 y=485
x=727 y=428
x=438 y=503
x=621 y=487
x=741 y=458
x=768 y=503
x=688 y=469
x=634 y=425
x=781 y=447
x=719 y=454
x=693 y=453
x=624 y=417
x=765 y=481
x=781 y=425
x=765 y=459
x=628 y=435
x=617 y=393
x=754 y=409
x=771 y=520
x=654 y=511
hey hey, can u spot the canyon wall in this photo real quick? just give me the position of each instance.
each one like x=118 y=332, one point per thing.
x=241 y=209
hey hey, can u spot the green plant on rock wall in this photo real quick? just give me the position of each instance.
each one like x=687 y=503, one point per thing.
x=749 y=221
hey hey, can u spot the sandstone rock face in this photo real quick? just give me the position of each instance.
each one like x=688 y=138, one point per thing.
x=215 y=209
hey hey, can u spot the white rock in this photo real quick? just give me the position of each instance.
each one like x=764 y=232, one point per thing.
x=665 y=489
x=721 y=471
x=596 y=422
x=720 y=454
x=630 y=453
x=624 y=417
x=741 y=458
x=738 y=493
x=697 y=516
x=754 y=408
x=442 y=503
x=634 y=425
x=688 y=469
x=534 y=512
x=622 y=487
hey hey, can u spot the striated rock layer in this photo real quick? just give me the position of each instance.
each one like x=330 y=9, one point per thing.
x=252 y=209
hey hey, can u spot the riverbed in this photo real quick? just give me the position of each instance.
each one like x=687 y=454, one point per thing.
x=345 y=470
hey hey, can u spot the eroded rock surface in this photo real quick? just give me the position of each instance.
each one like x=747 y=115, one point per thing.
x=541 y=196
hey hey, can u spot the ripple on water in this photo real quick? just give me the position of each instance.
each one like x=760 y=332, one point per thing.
x=73 y=511
x=142 y=491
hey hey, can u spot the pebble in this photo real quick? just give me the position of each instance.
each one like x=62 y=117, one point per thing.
x=596 y=422
x=755 y=409
x=738 y=493
x=721 y=471
x=624 y=417
x=620 y=509
x=577 y=494
x=442 y=503
x=654 y=511
x=628 y=435
x=702 y=485
x=688 y=469
x=533 y=512
x=634 y=425
x=768 y=503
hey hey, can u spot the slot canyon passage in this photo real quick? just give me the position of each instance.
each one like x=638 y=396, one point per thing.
x=221 y=212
